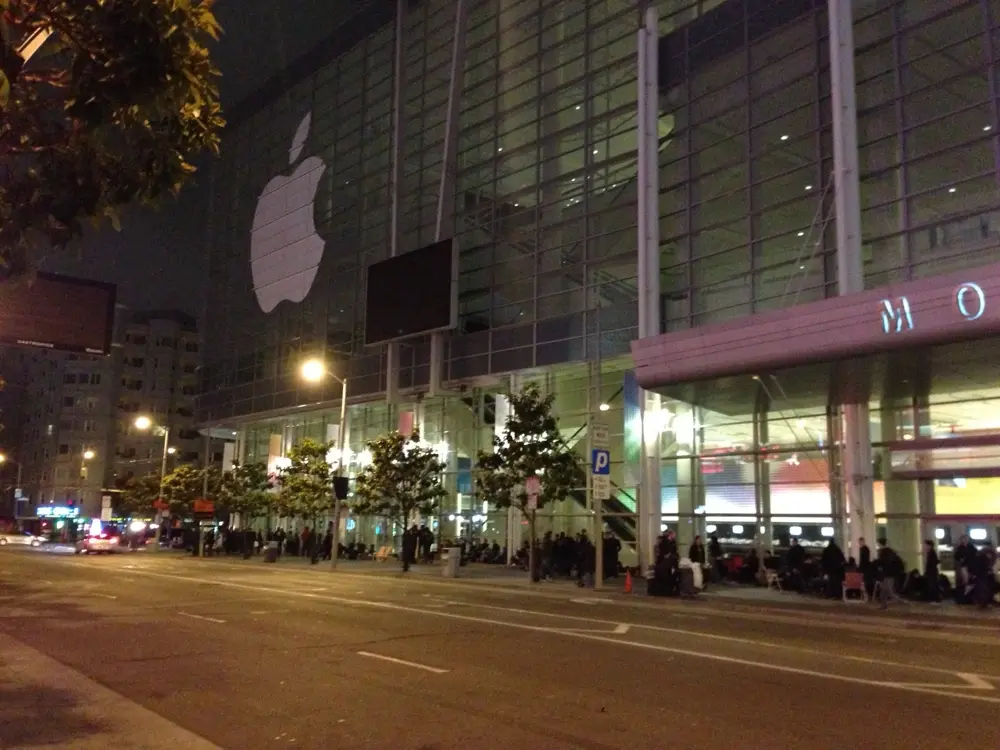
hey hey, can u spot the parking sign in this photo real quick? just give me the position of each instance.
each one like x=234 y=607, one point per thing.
x=600 y=462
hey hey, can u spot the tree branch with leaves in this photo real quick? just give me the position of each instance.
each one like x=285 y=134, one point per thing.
x=529 y=446
x=104 y=104
x=403 y=478
x=137 y=497
x=185 y=484
x=307 y=481
x=246 y=489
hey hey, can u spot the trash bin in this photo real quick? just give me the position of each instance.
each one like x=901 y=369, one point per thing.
x=686 y=578
x=452 y=561
x=271 y=554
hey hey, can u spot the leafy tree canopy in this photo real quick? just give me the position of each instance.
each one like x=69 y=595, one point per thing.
x=246 y=489
x=529 y=446
x=185 y=484
x=104 y=103
x=404 y=477
x=307 y=481
x=137 y=497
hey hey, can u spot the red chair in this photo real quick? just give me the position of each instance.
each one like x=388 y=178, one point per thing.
x=854 y=581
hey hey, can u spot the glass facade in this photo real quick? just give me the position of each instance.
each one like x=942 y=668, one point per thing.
x=545 y=217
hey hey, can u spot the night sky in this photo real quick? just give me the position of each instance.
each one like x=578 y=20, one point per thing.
x=158 y=258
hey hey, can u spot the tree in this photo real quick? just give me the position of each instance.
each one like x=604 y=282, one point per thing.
x=103 y=104
x=185 y=484
x=529 y=446
x=246 y=489
x=404 y=477
x=137 y=497
x=307 y=481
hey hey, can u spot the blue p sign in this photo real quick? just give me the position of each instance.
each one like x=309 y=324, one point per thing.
x=600 y=462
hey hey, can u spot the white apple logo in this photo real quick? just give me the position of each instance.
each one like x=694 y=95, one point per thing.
x=285 y=250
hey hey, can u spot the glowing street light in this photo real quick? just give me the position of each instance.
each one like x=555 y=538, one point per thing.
x=171 y=450
x=88 y=454
x=143 y=422
x=313 y=371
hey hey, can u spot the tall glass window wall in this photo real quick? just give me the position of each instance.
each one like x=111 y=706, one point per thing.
x=545 y=219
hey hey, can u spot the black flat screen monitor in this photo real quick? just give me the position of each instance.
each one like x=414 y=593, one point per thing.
x=412 y=294
x=57 y=312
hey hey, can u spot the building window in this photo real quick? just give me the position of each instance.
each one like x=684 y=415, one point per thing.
x=63 y=449
x=69 y=377
x=68 y=401
x=95 y=378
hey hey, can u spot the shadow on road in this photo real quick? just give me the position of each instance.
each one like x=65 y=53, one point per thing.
x=33 y=715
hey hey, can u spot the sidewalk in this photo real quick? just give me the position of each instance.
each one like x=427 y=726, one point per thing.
x=46 y=705
x=733 y=597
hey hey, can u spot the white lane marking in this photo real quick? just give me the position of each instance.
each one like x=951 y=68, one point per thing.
x=750 y=610
x=103 y=596
x=405 y=663
x=593 y=601
x=974 y=682
x=802 y=672
x=620 y=629
x=718 y=637
x=203 y=617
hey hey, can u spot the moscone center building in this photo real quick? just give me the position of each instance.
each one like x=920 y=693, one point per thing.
x=750 y=246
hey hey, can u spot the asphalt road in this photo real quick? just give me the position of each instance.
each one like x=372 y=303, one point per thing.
x=203 y=653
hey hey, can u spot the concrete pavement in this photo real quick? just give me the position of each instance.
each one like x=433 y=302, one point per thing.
x=270 y=656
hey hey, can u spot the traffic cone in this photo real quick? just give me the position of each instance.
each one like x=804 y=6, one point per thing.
x=628 y=581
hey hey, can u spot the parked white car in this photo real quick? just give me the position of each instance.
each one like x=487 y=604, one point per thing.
x=22 y=538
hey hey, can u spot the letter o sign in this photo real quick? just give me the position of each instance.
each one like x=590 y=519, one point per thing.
x=971 y=301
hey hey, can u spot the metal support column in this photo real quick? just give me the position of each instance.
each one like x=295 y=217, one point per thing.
x=396 y=180
x=444 y=226
x=857 y=459
x=648 y=506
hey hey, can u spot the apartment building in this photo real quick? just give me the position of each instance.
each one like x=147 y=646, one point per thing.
x=77 y=434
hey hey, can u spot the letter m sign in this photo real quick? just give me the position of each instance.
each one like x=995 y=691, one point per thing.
x=896 y=316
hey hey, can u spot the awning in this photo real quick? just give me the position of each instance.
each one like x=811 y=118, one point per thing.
x=901 y=317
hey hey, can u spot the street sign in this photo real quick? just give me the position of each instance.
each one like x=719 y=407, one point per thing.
x=533 y=486
x=105 y=507
x=600 y=462
x=600 y=435
x=602 y=486
x=204 y=507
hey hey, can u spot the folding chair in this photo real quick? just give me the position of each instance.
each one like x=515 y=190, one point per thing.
x=854 y=581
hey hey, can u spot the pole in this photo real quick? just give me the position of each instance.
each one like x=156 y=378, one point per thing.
x=341 y=443
x=204 y=493
x=163 y=474
x=856 y=463
x=649 y=507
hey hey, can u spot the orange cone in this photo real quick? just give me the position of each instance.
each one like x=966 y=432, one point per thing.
x=628 y=581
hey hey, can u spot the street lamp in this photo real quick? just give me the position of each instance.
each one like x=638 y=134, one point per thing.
x=17 y=482
x=145 y=423
x=313 y=371
x=88 y=454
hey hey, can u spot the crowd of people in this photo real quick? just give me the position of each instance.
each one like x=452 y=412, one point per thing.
x=976 y=571
x=884 y=573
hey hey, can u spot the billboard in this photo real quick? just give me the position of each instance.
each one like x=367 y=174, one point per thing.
x=57 y=312
x=412 y=294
